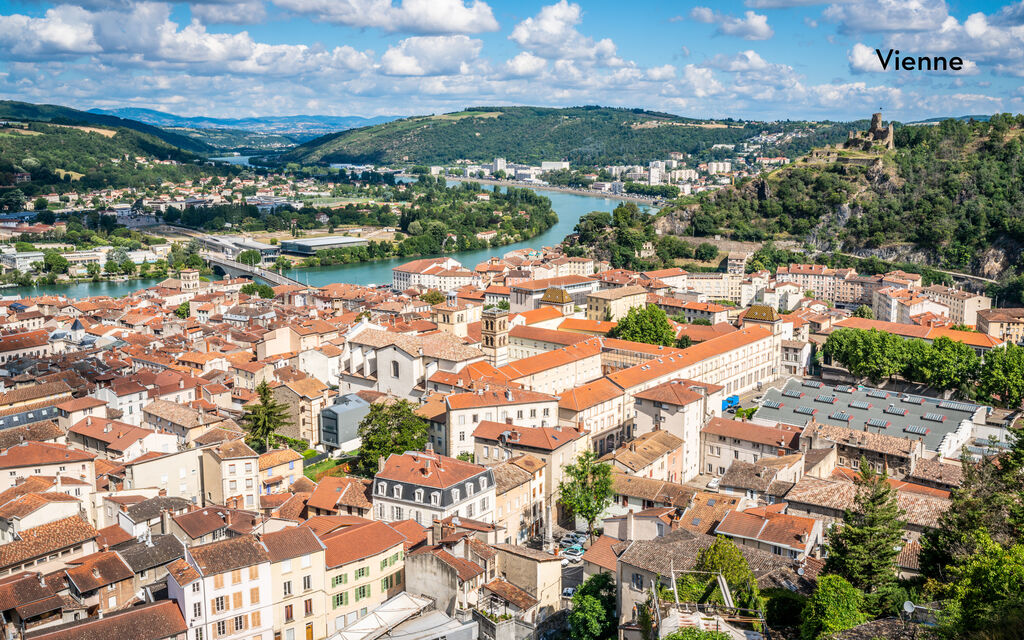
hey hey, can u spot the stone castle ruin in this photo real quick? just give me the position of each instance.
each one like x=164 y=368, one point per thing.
x=875 y=135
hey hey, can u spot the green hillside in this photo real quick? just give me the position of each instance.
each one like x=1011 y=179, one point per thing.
x=10 y=109
x=82 y=157
x=582 y=135
x=949 y=194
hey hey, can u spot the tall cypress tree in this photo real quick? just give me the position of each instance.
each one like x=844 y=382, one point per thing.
x=865 y=548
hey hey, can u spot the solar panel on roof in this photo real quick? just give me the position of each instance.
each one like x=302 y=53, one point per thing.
x=840 y=415
x=957 y=406
x=913 y=399
x=878 y=423
x=896 y=411
x=878 y=393
x=844 y=388
x=814 y=384
x=772 y=404
x=792 y=394
x=860 y=404
x=826 y=399
x=934 y=417
x=916 y=429
x=807 y=411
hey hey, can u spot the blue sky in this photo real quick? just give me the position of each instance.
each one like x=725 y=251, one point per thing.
x=756 y=59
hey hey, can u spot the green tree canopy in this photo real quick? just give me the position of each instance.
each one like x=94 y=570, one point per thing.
x=1002 y=376
x=834 y=606
x=586 y=488
x=251 y=257
x=264 y=419
x=647 y=324
x=706 y=252
x=432 y=296
x=592 y=616
x=390 y=428
x=987 y=590
x=864 y=311
x=863 y=550
x=183 y=310
x=724 y=557
x=258 y=289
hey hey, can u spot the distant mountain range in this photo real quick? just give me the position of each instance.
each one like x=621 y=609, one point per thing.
x=978 y=118
x=315 y=125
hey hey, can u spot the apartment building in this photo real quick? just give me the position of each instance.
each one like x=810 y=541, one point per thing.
x=224 y=589
x=681 y=408
x=723 y=441
x=421 y=273
x=465 y=411
x=963 y=305
x=525 y=296
x=424 y=486
x=614 y=304
x=900 y=305
x=1004 y=324
x=298 y=578
x=601 y=408
x=231 y=470
x=365 y=565
x=519 y=494
x=29 y=459
x=304 y=400
x=555 y=371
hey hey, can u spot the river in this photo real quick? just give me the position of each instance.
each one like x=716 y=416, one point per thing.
x=569 y=207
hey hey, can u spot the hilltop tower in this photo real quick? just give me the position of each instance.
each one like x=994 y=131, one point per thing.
x=494 y=336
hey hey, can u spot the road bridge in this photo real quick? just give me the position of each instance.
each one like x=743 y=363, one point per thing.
x=235 y=268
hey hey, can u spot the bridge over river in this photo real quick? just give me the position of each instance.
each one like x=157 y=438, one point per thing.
x=235 y=268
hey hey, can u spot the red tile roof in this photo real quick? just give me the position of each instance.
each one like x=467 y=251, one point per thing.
x=427 y=469
x=360 y=541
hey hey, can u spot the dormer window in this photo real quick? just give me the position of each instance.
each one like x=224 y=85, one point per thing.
x=483 y=483
x=435 y=498
x=382 y=488
x=470 y=489
x=456 y=495
x=397 y=491
x=419 y=495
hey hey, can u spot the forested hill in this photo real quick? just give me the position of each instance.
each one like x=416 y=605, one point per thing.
x=82 y=157
x=950 y=195
x=12 y=110
x=582 y=135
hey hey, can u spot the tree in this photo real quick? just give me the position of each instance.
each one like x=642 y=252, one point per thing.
x=725 y=558
x=432 y=297
x=586 y=488
x=834 y=606
x=593 y=608
x=864 y=311
x=706 y=252
x=987 y=589
x=952 y=365
x=251 y=257
x=264 y=419
x=864 y=549
x=53 y=262
x=647 y=324
x=465 y=456
x=390 y=428
x=684 y=341
x=183 y=310
x=40 y=204
x=1002 y=375
x=257 y=289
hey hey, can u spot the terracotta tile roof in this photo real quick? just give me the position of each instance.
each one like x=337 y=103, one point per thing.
x=536 y=316
x=116 y=435
x=32 y=502
x=234 y=450
x=156 y=621
x=657 y=491
x=552 y=336
x=360 y=541
x=291 y=543
x=80 y=404
x=785 y=437
x=98 y=570
x=644 y=450
x=29 y=454
x=427 y=469
x=862 y=439
x=415 y=533
x=466 y=569
x=552 y=359
x=45 y=539
x=528 y=462
x=589 y=395
x=919 y=510
x=228 y=555
x=495 y=398
x=334 y=491
x=511 y=593
x=36 y=432
x=945 y=473
x=112 y=535
x=508 y=475
x=544 y=284
x=581 y=325
x=707 y=511
x=601 y=554
x=677 y=392
x=543 y=438
x=277 y=457
x=440 y=345
x=768 y=525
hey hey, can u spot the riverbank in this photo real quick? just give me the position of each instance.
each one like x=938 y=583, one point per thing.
x=590 y=193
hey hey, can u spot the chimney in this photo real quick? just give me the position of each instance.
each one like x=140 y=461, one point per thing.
x=508 y=420
x=95 y=572
x=630 y=525
x=88 y=421
x=380 y=463
x=429 y=448
x=162 y=492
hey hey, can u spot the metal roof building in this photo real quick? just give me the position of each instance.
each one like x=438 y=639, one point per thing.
x=309 y=246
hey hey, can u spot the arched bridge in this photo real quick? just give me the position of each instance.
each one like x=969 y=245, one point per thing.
x=235 y=268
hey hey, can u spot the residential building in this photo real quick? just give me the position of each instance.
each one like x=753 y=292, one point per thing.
x=300 y=583
x=425 y=486
x=770 y=529
x=231 y=471
x=465 y=411
x=614 y=304
x=1004 y=324
x=304 y=400
x=279 y=468
x=963 y=305
x=724 y=441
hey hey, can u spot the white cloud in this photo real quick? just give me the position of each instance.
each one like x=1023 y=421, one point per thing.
x=664 y=72
x=752 y=26
x=431 y=55
x=870 y=16
x=700 y=81
x=411 y=16
x=246 y=12
x=863 y=59
x=62 y=30
x=552 y=34
x=743 y=61
x=525 y=64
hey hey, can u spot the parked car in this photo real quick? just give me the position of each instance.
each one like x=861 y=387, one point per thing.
x=565 y=562
x=573 y=553
x=714 y=483
x=568 y=592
